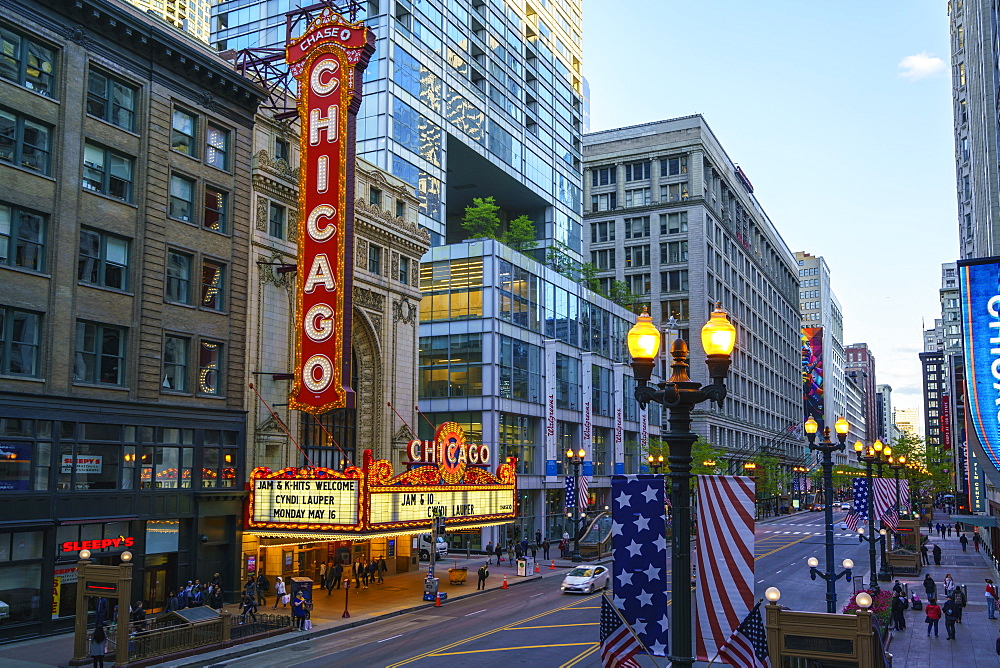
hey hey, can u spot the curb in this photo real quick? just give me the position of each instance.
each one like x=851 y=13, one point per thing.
x=252 y=648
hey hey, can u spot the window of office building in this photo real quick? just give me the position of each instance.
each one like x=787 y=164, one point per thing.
x=451 y=366
x=216 y=209
x=100 y=354
x=638 y=197
x=567 y=382
x=212 y=285
x=182 y=135
x=181 y=197
x=518 y=293
x=520 y=370
x=19 y=342
x=603 y=259
x=217 y=147
x=605 y=202
x=637 y=228
x=111 y=99
x=673 y=223
x=175 y=363
x=672 y=252
x=210 y=368
x=678 y=308
x=404 y=270
x=27 y=62
x=674 y=281
x=603 y=231
x=107 y=172
x=639 y=283
x=374 y=259
x=601 y=388
x=637 y=256
x=674 y=192
x=24 y=142
x=603 y=176
x=22 y=238
x=637 y=171
x=178 y=286
x=517 y=440
x=674 y=166
x=452 y=289
x=276 y=220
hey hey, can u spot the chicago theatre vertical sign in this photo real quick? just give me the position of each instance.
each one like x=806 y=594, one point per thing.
x=327 y=61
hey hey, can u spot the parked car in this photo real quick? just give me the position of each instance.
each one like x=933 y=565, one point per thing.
x=846 y=507
x=586 y=579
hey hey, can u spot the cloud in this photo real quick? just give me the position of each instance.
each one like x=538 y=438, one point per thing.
x=920 y=66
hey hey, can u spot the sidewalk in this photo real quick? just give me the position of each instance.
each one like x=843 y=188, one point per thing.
x=976 y=635
x=398 y=595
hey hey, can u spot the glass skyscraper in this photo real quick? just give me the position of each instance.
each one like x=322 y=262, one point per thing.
x=463 y=99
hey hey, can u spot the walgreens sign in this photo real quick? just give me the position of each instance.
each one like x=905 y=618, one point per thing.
x=327 y=61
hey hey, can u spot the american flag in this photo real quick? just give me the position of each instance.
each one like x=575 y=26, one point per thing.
x=725 y=558
x=638 y=530
x=583 y=485
x=747 y=648
x=859 y=509
x=885 y=502
x=618 y=644
x=904 y=496
x=570 y=491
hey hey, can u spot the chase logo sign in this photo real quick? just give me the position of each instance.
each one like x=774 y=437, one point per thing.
x=979 y=283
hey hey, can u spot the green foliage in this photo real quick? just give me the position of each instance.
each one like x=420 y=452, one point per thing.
x=481 y=218
x=520 y=234
x=772 y=478
x=702 y=451
x=588 y=276
x=560 y=261
x=621 y=295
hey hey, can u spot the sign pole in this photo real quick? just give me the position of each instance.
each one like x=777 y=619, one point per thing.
x=347 y=589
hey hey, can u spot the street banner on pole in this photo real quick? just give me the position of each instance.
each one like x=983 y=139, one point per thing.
x=724 y=558
x=638 y=530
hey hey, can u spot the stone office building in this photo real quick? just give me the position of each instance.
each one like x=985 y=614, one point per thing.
x=124 y=250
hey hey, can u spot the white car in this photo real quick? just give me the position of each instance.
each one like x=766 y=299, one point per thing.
x=586 y=579
x=846 y=507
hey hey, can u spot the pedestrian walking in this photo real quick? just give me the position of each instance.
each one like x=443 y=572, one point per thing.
x=510 y=552
x=338 y=574
x=215 y=598
x=899 y=604
x=489 y=552
x=372 y=571
x=923 y=554
x=538 y=537
x=263 y=586
x=950 y=611
x=933 y=612
x=949 y=531
x=280 y=594
x=323 y=568
x=937 y=555
x=356 y=571
x=499 y=552
x=382 y=568
x=930 y=587
x=964 y=541
x=546 y=545
x=991 y=600
x=958 y=527
x=937 y=527
x=98 y=646
x=562 y=548
x=949 y=585
x=960 y=601
x=299 y=612
x=976 y=540
x=534 y=552
x=249 y=609
x=483 y=573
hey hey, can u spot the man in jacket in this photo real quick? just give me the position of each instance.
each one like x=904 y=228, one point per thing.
x=958 y=596
x=964 y=541
x=898 y=606
x=484 y=572
x=991 y=599
x=923 y=555
x=950 y=610
x=382 y=568
x=489 y=552
x=937 y=555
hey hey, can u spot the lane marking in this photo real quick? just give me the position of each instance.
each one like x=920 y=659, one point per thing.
x=390 y=638
x=580 y=657
x=477 y=612
x=553 y=626
x=507 y=649
x=433 y=652
x=778 y=549
x=542 y=594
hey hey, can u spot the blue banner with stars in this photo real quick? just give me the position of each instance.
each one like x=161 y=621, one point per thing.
x=638 y=529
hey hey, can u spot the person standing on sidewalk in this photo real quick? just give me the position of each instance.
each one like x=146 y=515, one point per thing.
x=489 y=552
x=991 y=600
x=499 y=552
x=933 y=617
x=930 y=587
x=484 y=572
x=937 y=555
x=949 y=531
x=898 y=606
x=960 y=601
x=964 y=541
x=950 y=610
x=976 y=540
x=382 y=568
x=923 y=555
x=98 y=646
x=546 y=546
x=279 y=594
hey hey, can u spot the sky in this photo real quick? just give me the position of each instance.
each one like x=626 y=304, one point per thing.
x=839 y=113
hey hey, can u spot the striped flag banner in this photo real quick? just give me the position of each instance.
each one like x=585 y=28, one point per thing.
x=885 y=502
x=724 y=558
x=904 y=496
x=859 y=509
x=583 y=492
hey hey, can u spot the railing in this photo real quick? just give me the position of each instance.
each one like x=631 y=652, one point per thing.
x=596 y=540
x=262 y=624
x=163 y=639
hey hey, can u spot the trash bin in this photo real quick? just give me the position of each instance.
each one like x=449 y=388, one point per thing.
x=304 y=585
x=458 y=575
x=522 y=567
x=430 y=588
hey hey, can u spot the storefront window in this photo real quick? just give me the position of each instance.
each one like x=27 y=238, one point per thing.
x=20 y=593
x=166 y=468
x=24 y=459
x=162 y=536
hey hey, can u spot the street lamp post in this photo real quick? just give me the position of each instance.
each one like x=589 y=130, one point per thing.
x=680 y=395
x=576 y=459
x=896 y=465
x=800 y=483
x=868 y=457
x=655 y=463
x=883 y=454
x=827 y=448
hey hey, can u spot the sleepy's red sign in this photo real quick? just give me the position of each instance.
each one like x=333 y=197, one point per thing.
x=327 y=61
x=97 y=544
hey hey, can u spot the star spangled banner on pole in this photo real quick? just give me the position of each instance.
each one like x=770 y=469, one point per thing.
x=638 y=530
x=570 y=492
x=618 y=644
x=885 y=502
x=859 y=509
x=725 y=558
x=747 y=648
x=905 y=505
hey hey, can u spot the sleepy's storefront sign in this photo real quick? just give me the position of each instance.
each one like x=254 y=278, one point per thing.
x=446 y=477
x=98 y=544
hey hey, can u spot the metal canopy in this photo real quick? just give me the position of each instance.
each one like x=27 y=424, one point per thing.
x=985 y=521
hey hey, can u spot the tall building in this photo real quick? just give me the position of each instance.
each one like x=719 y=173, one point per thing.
x=122 y=344
x=671 y=216
x=975 y=89
x=859 y=367
x=934 y=373
x=887 y=431
x=463 y=99
x=822 y=323
x=191 y=16
x=907 y=420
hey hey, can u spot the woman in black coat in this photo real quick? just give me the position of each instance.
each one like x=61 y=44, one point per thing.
x=930 y=587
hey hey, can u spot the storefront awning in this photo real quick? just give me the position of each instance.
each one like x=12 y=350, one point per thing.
x=985 y=521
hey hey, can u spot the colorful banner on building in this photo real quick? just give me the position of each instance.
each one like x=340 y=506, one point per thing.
x=979 y=286
x=812 y=374
x=945 y=422
x=327 y=62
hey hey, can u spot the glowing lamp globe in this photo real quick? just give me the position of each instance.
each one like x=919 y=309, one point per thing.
x=811 y=426
x=718 y=336
x=863 y=599
x=858 y=446
x=841 y=426
x=643 y=338
x=813 y=562
x=773 y=594
x=848 y=564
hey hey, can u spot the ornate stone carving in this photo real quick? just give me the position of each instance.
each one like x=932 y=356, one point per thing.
x=368 y=299
x=293 y=225
x=377 y=323
x=78 y=34
x=360 y=253
x=270 y=425
x=393 y=265
x=281 y=168
x=269 y=274
x=415 y=274
x=262 y=213
x=207 y=101
x=403 y=311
